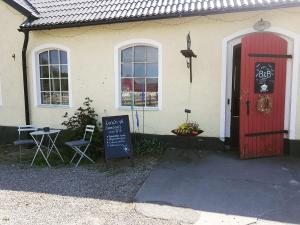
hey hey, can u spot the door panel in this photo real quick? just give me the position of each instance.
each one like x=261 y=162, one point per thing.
x=263 y=77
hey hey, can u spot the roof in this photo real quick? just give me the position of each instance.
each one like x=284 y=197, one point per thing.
x=68 y=13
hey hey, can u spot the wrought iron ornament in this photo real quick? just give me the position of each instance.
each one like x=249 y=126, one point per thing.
x=189 y=54
x=264 y=104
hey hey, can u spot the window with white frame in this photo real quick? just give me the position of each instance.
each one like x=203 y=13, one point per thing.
x=53 y=77
x=139 y=73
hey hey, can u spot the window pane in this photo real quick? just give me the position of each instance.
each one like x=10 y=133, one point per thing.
x=152 y=69
x=139 y=69
x=45 y=85
x=63 y=57
x=152 y=99
x=55 y=86
x=44 y=70
x=139 y=88
x=65 y=98
x=43 y=58
x=126 y=98
x=64 y=71
x=64 y=85
x=45 y=97
x=152 y=92
x=140 y=54
x=54 y=71
x=55 y=98
x=139 y=84
x=126 y=70
x=139 y=99
x=127 y=55
x=54 y=57
x=152 y=54
x=127 y=84
x=152 y=85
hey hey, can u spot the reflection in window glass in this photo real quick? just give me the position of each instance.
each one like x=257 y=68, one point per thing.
x=44 y=58
x=140 y=53
x=44 y=70
x=63 y=57
x=139 y=69
x=127 y=55
x=139 y=76
x=54 y=84
x=54 y=57
x=126 y=69
x=152 y=54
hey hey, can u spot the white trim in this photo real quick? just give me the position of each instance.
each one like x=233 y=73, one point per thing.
x=292 y=79
x=36 y=83
x=117 y=51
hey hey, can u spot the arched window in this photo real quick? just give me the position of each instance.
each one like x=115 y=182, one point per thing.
x=139 y=76
x=53 y=77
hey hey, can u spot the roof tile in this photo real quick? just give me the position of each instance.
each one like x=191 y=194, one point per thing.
x=60 y=12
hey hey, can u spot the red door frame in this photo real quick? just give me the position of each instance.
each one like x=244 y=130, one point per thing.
x=261 y=48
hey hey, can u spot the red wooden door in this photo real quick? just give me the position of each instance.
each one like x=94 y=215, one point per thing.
x=262 y=96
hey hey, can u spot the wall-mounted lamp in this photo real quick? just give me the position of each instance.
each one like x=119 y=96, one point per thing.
x=261 y=25
x=189 y=54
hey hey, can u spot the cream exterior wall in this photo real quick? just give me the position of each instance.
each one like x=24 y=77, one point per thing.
x=93 y=72
x=11 y=81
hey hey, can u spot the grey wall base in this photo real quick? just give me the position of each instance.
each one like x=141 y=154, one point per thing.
x=8 y=135
x=292 y=147
x=172 y=141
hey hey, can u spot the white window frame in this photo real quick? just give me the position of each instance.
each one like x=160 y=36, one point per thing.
x=117 y=64
x=36 y=74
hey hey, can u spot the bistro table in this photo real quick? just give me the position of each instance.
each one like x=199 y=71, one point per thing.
x=52 y=135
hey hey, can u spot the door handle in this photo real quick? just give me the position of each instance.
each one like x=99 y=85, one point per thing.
x=248 y=107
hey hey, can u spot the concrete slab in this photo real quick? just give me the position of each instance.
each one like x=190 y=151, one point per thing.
x=218 y=183
x=167 y=212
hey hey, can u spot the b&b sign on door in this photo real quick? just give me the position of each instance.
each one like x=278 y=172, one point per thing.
x=264 y=77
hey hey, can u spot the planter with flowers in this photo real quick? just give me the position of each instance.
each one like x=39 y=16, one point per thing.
x=189 y=129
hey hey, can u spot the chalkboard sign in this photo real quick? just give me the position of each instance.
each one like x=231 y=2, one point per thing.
x=264 y=77
x=117 y=138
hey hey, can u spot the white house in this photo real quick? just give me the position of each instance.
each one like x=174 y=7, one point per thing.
x=244 y=80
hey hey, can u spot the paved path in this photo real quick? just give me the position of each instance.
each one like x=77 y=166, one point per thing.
x=218 y=188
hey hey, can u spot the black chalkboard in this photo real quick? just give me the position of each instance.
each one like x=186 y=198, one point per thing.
x=117 y=138
x=264 y=77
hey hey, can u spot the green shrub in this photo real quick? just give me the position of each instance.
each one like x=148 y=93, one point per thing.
x=146 y=145
x=84 y=115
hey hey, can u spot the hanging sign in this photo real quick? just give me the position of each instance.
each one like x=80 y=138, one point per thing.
x=264 y=77
x=117 y=138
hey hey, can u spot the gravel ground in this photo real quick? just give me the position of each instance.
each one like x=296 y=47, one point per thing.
x=89 y=194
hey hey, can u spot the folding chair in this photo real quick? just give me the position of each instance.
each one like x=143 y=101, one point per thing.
x=24 y=137
x=80 y=146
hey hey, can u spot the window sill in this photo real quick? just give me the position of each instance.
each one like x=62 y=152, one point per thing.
x=128 y=108
x=54 y=106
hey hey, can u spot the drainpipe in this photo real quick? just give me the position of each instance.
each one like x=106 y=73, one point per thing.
x=25 y=84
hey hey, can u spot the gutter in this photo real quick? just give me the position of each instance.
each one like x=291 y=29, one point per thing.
x=25 y=77
x=21 y=9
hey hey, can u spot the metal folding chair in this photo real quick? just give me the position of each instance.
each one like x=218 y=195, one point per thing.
x=24 y=137
x=80 y=146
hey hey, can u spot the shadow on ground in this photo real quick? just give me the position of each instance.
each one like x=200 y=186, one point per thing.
x=219 y=182
x=117 y=181
x=202 y=181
